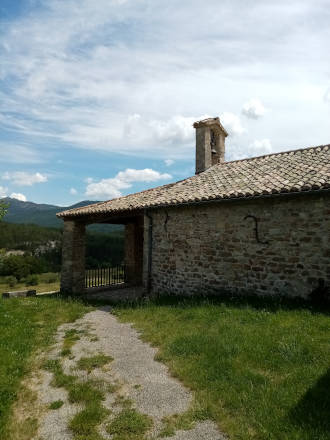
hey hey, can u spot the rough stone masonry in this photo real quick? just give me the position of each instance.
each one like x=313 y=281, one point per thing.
x=202 y=249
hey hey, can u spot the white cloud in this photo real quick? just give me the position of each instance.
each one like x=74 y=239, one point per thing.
x=327 y=95
x=23 y=178
x=74 y=74
x=178 y=129
x=111 y=188
x=136 y=134
x=139 y=131
x=253 y=109
x=3 y=192
x=73 y=191
x=168 y=162
x=232 y=123
x=260 y=147
x=13 y=153
x=18 y=196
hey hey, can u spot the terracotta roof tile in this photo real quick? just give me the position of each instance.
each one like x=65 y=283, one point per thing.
x=293 y=171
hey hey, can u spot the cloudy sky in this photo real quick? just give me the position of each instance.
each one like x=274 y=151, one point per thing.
x=97 y=98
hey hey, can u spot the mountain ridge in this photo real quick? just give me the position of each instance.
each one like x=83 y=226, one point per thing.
x=43 y=214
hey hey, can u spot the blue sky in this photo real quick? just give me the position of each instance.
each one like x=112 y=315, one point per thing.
x=97 y=99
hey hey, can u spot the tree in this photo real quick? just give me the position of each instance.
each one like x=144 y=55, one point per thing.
x=3 y=209
x=20 y=266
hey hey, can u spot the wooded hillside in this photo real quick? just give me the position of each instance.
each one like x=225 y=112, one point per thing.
x=102 y=249
x=27 y=237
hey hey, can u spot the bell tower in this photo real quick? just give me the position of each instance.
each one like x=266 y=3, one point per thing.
x=210 y=143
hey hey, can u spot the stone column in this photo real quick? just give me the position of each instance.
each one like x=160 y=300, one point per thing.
x=134 y=251
x=147 y=253
x=73 y=258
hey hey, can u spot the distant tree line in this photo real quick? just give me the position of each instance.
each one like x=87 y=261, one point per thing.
x=43 y=249
x=27 y=237
x=104 y=250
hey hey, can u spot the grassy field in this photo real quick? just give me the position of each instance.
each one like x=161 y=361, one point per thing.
x=27 y=325
x=47 y=282
x=260 y=370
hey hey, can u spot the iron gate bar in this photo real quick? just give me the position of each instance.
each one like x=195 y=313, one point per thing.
x=105 y=276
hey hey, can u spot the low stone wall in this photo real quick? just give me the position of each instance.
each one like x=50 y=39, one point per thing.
x=204 y=249
x=19 y=294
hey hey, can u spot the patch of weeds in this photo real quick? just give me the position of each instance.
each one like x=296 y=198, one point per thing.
x=137 y=386
x=123 y=401
x=184 y=422
x=83 y=425
x=97 y=361
x=60 y=380
x=129 y=425
x=70 y=338
x=73 y=333
x=94 y=339
x=56 y=405
x=65 y=352
x=85 y=392
x=112 y=387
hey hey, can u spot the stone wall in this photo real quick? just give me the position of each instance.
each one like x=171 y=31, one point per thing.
x=134 y=251
x=210 y=248
x=73 y=258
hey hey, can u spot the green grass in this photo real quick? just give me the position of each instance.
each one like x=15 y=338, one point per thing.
x=26 y=325
x=60 y=380
x=184 y=421
x=85 y=392
x=43 y=285
x=259 y=368
x=129 y=424
x=56 y=404
x=97 y=361
x=83 y=425
x=70 y=338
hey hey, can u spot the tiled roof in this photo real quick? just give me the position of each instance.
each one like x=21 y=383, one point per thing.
x=304 y=170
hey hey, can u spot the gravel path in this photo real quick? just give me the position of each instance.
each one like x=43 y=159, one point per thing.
x=134 y=372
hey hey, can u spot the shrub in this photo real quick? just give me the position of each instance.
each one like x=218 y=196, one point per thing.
x=51 y=278
x=31 y=280
x=21 y=266
x=11 y=280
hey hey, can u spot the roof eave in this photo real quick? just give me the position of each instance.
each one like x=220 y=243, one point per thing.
x=118 y=213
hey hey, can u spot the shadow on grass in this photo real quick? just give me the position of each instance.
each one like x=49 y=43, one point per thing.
x=312 y=412
x=269 y=304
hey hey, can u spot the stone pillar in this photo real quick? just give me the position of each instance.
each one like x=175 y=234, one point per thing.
x=146 y=277
x=134 y=251
x=73 y=258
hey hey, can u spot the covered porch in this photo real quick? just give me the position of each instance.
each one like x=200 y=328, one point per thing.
x=121 y=280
